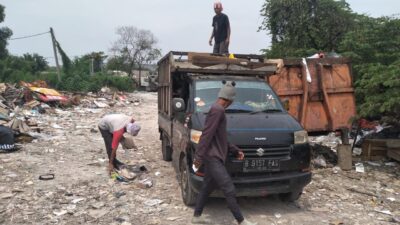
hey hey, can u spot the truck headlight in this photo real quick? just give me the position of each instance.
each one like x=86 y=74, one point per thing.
x=300 y=137
x=195 y=136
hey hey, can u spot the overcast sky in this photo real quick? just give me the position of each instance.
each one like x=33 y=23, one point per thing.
x=84 y=26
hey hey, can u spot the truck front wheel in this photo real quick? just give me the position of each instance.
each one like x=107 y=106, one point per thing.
x=166 y=149
x=188 y=195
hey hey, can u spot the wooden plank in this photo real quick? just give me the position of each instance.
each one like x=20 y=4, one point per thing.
x=394 y=154
x=376 y=142
x=374 y=149
x=393 y=143
x=325 y=61
x=373 y=158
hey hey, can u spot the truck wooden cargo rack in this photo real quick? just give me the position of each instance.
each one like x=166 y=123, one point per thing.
x=205 y=63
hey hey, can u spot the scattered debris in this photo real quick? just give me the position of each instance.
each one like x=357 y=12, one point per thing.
x=125 y=173
x=391 y=199
x=60 y=213
x=48 y=176
x=173 y=218
x=6 y=195
x=98 y=213
x=146 y=183
x=84 y=194
x=383 y=211
x=360 y=168
x=77 y=200
x=319 y=162
x=373 y=163
x=153 y=202
x=396 y=219
x=119 y=194
x=98 y=205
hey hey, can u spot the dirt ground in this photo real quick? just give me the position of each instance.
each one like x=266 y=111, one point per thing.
x=72 y=149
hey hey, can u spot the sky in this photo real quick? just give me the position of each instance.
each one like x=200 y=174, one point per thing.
x=84 y=26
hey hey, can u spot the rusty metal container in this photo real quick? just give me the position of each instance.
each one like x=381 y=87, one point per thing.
x=327 y=103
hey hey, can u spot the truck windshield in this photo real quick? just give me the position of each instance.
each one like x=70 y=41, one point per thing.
x=251 y=97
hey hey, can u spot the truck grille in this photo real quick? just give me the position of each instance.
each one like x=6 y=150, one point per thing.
x=268 y=152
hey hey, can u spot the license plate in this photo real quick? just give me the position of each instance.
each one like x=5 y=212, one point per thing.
x=260 y=165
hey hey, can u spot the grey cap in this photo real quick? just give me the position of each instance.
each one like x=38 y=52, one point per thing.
x=228 y=91
x=133 y=128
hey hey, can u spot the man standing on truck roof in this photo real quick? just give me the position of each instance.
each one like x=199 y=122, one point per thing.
x=112 y=128
x=221 y=31
x=212 y=151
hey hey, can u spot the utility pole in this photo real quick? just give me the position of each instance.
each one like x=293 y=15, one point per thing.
x=92 y=65
x=53 y=39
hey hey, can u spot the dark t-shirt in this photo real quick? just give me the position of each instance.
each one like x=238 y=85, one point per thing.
x=220 y=24
x=214 y=139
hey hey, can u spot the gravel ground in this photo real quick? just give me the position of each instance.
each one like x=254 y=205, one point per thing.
x=82 y=193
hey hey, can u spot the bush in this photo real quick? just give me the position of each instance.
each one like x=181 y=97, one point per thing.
x=95 y=82
x=29 y=68
x=378 y=88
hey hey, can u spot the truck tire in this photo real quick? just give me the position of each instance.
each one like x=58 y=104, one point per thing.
x=291 y=196
x=166 y=149
x=188 y=195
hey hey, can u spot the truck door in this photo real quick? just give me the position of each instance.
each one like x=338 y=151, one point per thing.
x=180 y=132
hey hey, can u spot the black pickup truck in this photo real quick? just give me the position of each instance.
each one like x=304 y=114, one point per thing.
x=277 y=153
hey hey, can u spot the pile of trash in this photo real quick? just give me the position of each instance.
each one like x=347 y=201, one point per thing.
x=374 y=130
x=325 y=147
x=324 y=150
x=21 y=107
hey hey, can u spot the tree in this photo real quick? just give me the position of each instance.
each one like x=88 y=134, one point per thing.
x=88 y=64
x=136 y=47
x=5 y=33
x=374 y=46
x=373 y=40
x=97 y=61
x=117 y=63
x=300 y=27
x=37 y=62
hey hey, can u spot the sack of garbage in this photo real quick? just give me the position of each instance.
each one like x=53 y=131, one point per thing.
x=128 y=142
x=6 y=139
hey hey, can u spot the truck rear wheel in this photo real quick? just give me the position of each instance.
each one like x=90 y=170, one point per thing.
x=166 y=149
x=188 y=195
x=291 y=196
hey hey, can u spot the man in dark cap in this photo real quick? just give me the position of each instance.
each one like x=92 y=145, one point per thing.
x=221 y=31
x=212 y=152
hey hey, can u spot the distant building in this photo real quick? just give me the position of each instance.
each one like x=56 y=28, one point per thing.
x=118 y=73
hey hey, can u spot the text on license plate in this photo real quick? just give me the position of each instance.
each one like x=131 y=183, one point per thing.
x=256 y=165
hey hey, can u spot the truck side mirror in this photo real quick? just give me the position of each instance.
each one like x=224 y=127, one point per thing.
x=286 y=104
x=178 y=105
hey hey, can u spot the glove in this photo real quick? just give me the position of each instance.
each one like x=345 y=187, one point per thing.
x=196 y=165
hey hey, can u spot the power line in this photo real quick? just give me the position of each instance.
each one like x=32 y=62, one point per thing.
x=29 y=36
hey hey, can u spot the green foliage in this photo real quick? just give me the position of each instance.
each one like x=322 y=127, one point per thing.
x=64 y=58
x=5 y=33
x=36 y=62
x=117 y=63
x=379 y=89
x=15 y=68
x=95 y=82
x=87 y=63
x=82 y=74
x=375 y=40
x=375 y=49
x=299 y=27
x=303 y=27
